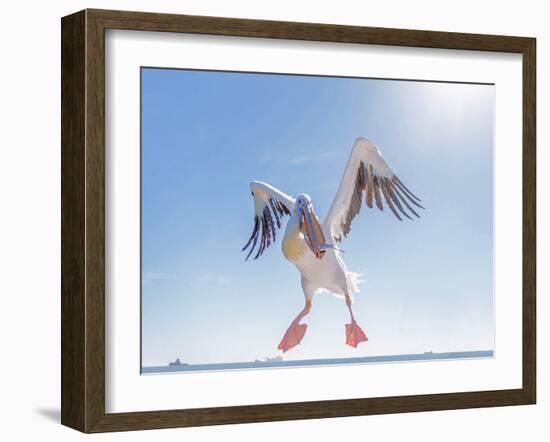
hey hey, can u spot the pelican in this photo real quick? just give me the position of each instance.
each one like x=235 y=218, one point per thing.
x=312 y=246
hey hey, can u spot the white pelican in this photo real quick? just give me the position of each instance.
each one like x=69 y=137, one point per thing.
x=304 y=243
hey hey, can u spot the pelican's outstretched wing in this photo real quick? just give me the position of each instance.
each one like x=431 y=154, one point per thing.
x=270 y=205
x=367 y=172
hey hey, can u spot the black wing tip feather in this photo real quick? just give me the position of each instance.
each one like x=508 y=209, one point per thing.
x=399 y=198
x=401 y=194
x=265 y=227
x=376 y=189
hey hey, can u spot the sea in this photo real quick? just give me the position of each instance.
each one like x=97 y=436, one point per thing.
x=281 y=363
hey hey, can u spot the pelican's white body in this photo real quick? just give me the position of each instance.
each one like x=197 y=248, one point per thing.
x=327 y=273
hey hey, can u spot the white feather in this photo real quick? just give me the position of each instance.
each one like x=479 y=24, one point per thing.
x=366 y=152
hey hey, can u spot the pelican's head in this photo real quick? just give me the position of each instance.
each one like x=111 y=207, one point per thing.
x=309 y=225
x=303 y=201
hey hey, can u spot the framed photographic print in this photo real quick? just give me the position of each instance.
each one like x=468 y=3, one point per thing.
x=270 y=220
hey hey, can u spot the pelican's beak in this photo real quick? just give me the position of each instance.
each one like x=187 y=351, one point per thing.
x=310 y=228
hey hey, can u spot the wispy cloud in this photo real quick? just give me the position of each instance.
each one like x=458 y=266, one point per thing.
x=309 y=157
x=206 y=279
x=214 y=279
x=149 y=278
x=327 y=187
x=271 y=156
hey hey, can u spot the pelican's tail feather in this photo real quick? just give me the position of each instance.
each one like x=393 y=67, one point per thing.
x=354 y=280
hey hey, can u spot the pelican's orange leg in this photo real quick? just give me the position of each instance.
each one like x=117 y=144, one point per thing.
x=354 y=334
x=296 y=331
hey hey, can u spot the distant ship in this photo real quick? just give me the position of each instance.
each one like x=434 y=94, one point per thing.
x=277 y=358
x=176 y=363
x=428 y=352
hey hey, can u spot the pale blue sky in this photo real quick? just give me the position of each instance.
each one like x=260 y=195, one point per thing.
x=206 y=135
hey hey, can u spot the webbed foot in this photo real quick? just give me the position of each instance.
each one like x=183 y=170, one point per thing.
x=354 y=334
x=292 y=337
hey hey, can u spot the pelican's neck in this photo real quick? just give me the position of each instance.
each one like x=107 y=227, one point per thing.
x=293 y=227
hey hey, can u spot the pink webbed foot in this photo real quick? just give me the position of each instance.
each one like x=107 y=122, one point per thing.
x=292 y=337
x=354 y=335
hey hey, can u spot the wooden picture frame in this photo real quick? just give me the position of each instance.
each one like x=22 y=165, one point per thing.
x=83 y=220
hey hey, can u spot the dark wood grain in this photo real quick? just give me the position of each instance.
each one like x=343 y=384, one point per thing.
x=146 y=21
x=95 y=221
x=529 y=221
x=73 y=128
x=83 y=220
